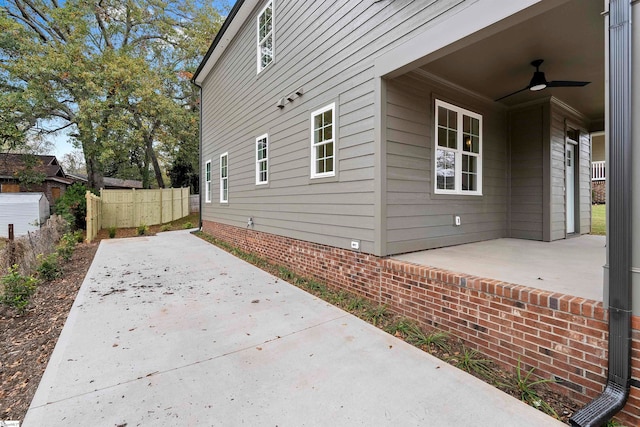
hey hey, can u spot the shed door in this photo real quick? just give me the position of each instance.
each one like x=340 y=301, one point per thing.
x=570 y=188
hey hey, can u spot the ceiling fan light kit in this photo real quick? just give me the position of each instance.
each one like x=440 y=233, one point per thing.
x=539 y=81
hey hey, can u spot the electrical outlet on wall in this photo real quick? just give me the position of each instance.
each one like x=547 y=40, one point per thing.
x=456 y=220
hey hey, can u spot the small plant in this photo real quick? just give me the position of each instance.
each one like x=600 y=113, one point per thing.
x=428 y=341
x=528 y=394
x=399 y=328
x=356 y=303
x=471 y=361
x=187 y=225
x=66 y=245
x=17 y=289
x=112 y=232
x=79 y=236
x=142 y=229
x=377 y=314
x=285 y=274
x=165 y=227
x=49 y=268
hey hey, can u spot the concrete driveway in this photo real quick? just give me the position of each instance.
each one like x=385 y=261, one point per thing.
x=171 y=331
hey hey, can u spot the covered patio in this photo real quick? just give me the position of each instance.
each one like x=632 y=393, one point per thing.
x=572 y=266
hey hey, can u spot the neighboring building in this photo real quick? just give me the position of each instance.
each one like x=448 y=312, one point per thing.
x=110 y=183
x=25 y=211
x=55 y=180
x=337 y=135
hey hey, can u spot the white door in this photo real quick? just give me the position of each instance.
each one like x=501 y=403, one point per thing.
x=570 y=188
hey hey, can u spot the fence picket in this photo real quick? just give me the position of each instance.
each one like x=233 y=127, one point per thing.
x=132 y=208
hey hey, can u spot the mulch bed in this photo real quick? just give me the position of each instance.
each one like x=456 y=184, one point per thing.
x=28 y=340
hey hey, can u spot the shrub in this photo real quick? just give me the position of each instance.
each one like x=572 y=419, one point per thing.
x=17 y=289
x=188 y=225
x=72 y=206
x=112 y=232
x=142 y=229
x=66 y=246
x=49 y=267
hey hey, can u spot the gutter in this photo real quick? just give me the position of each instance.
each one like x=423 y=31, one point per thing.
x=616 y=392
x=200 y=174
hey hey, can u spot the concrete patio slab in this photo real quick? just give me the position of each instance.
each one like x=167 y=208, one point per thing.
x=571 y=266
x=169 y=330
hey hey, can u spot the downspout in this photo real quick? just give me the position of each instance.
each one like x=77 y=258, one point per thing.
x=200 y=187
x=616 y=392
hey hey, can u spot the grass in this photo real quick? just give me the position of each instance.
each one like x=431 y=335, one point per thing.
x=599 y=219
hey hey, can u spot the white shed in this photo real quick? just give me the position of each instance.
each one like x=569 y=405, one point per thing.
x=26 y=211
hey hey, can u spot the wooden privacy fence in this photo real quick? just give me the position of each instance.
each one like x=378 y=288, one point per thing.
x=132 y=208
x=94 y=216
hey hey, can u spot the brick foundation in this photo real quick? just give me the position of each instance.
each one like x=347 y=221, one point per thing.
x=598 y=192
x=561 y=336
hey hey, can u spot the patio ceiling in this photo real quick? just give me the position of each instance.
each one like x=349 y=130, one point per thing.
x=571 y=40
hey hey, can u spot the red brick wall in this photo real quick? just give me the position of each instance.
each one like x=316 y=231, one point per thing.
x=562 y=336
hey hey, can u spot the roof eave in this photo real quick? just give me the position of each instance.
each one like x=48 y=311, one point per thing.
x=237 y=16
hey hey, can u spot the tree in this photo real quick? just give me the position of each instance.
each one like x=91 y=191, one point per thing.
x=73 y=163
x=116 y=72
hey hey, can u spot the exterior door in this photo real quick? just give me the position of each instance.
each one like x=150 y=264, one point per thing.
x=570 y=188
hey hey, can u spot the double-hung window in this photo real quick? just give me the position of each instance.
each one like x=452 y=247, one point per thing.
x=458 y=159
x=265 y=36
x=207 y=182
x=262 y=159
x=224 y=178
x=323 y=142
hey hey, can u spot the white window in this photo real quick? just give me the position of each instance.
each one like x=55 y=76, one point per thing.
x=207 y=182
x=265 y=36
x=458 y=160
x=323 y=142
x=262 y=159
x=224 y=178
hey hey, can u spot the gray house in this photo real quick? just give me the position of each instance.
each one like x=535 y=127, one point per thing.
x=354 y=128
x=338 y=133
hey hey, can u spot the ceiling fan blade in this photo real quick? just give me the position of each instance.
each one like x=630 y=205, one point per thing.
x=566 y=83
x=513 y=93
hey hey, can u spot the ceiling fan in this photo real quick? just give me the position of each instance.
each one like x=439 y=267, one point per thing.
x=539 y=82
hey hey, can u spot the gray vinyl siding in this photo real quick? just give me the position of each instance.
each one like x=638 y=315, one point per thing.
x=416 y=217
x=526 y=136
x=332 y=59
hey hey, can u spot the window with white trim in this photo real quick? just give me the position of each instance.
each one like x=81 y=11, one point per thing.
x=224 y=178
x=458 y=142
x=265 y=36
x=207 y=182
x=262 y=159
x=323 y=142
